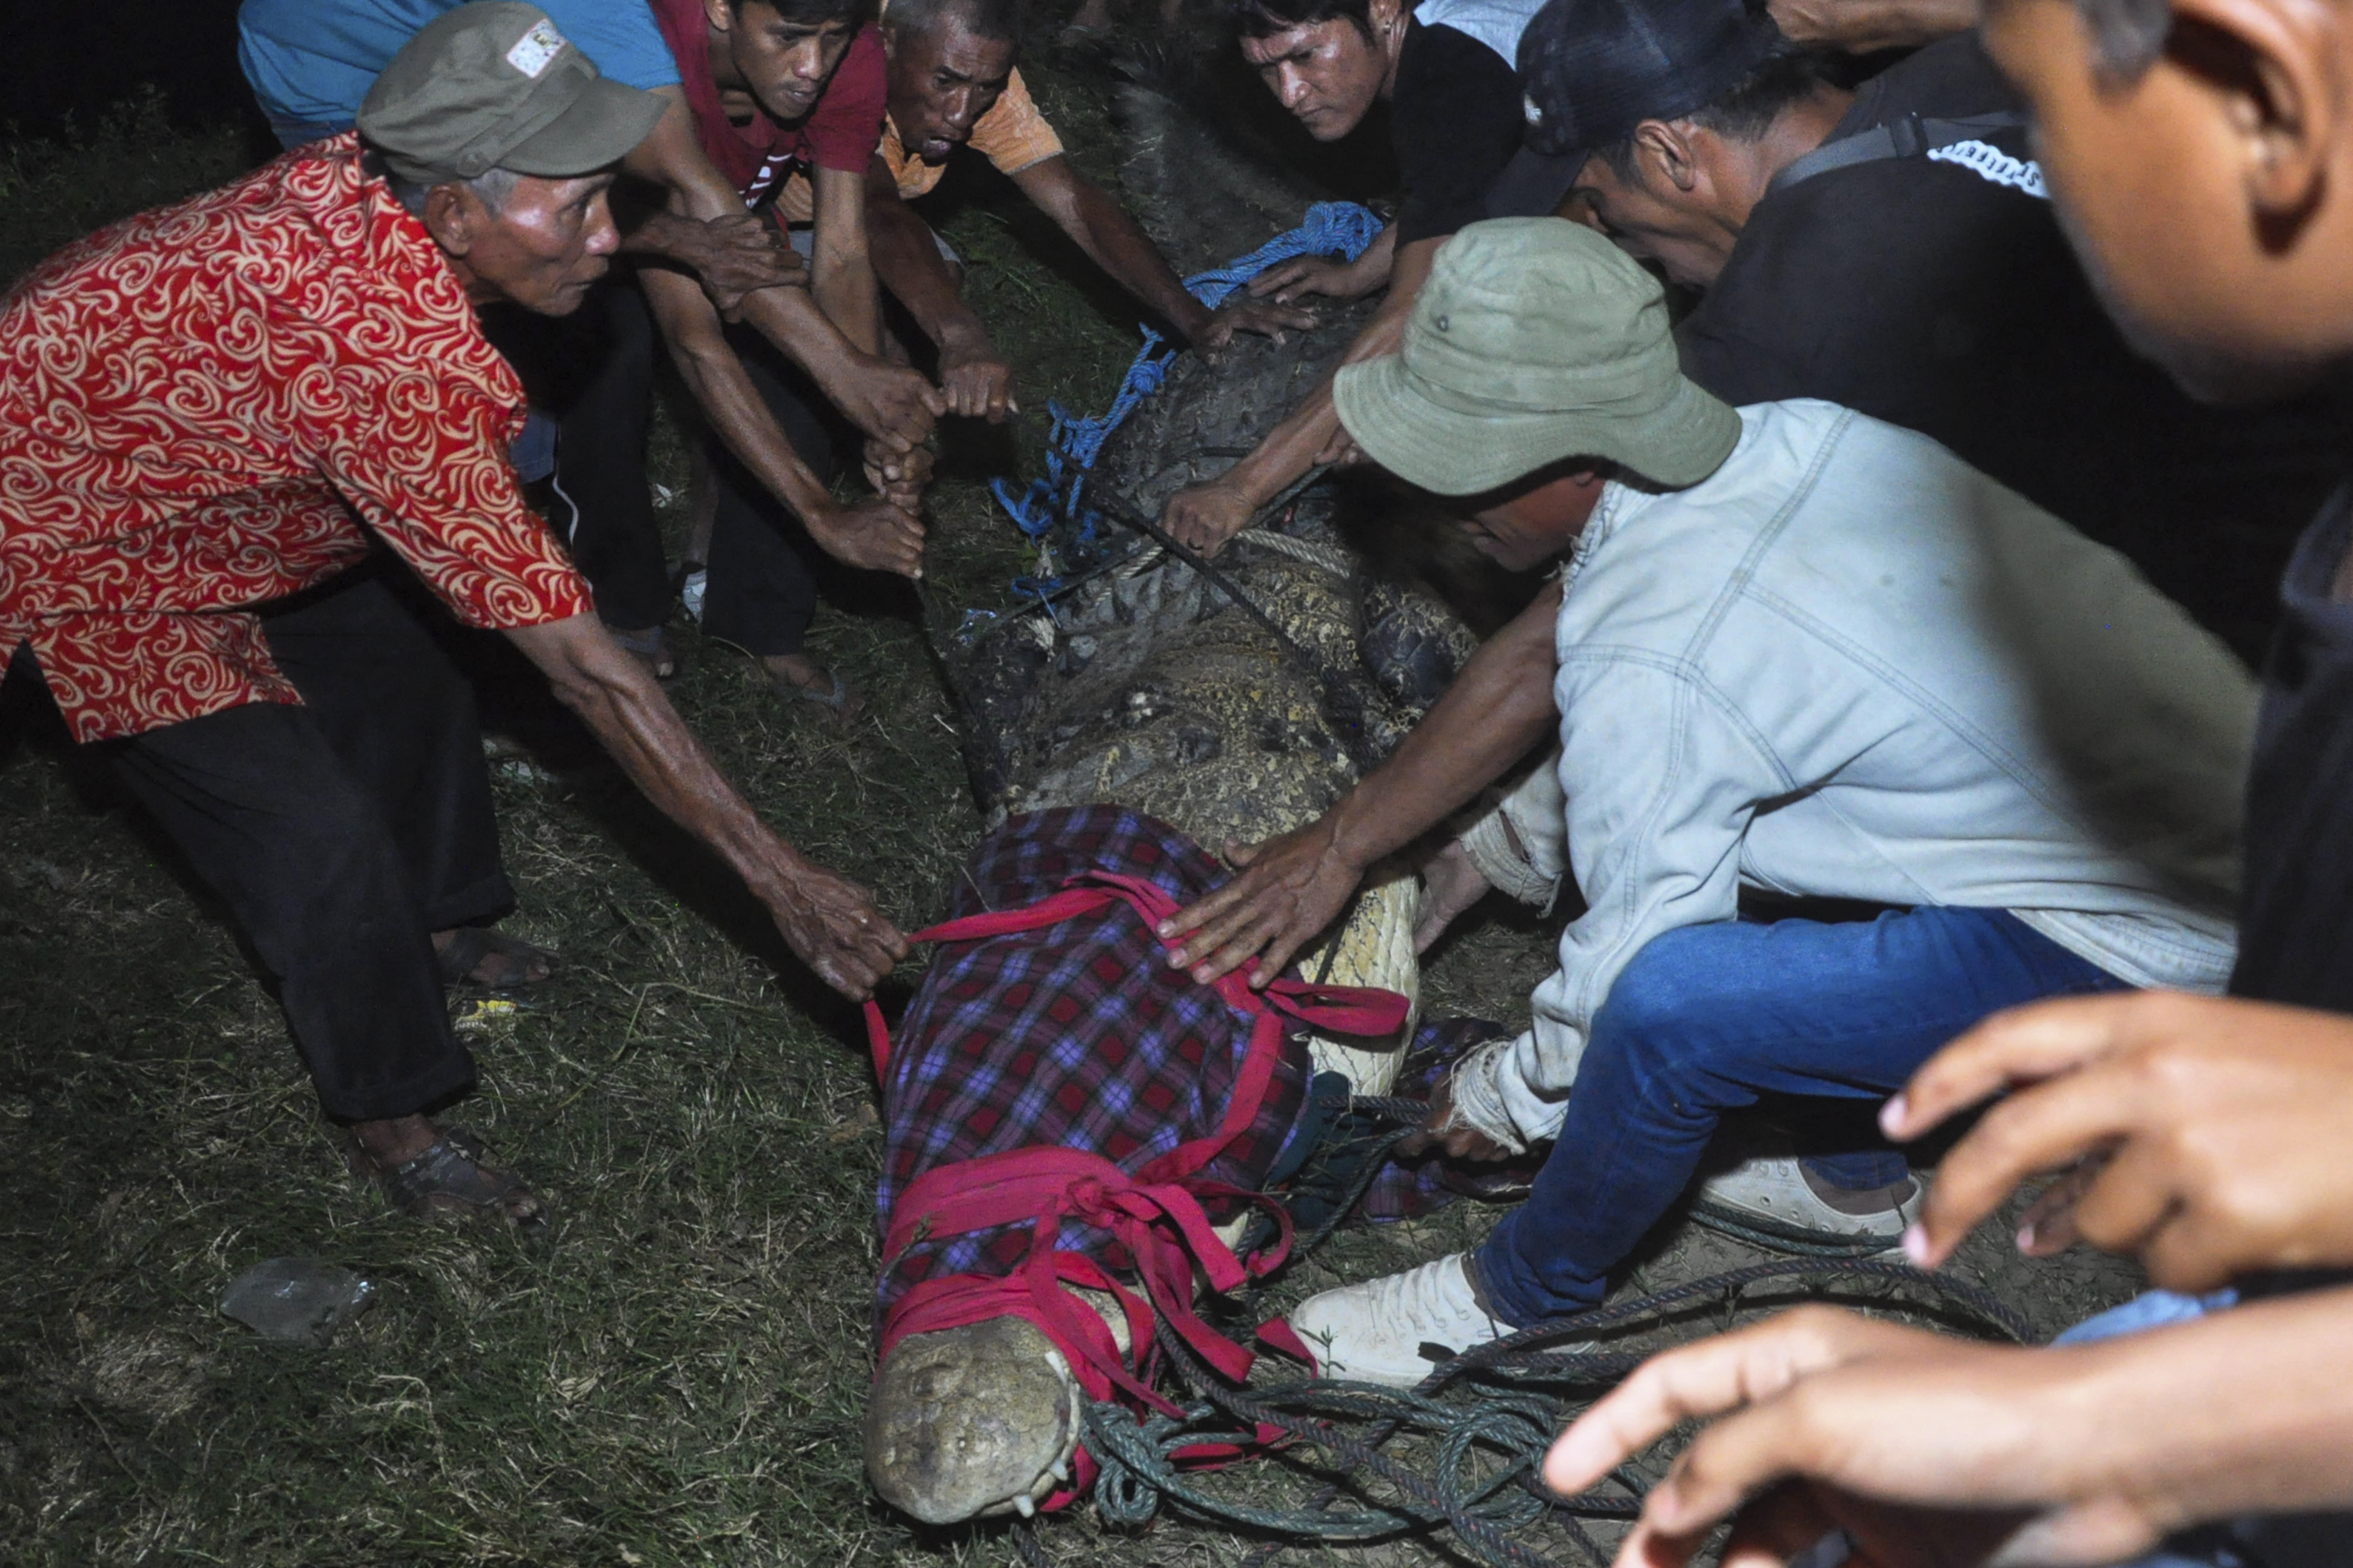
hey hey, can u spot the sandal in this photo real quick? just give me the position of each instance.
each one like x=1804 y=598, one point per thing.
x=468 y=945
x=449 y=1178
x=841 y=701
x=650 y=648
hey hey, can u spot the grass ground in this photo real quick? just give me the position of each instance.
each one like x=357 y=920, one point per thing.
x=676 y=1376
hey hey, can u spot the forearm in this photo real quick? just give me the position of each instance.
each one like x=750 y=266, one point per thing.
x=799 y=327
x=911 y=267
x=619 y=700
x=1117 y=244
x=1289 y=450
x=2248 y=1411
x=715 y=377
x=1496 y=711
x=1859 y=27
x=841 y=274
x=844 y=289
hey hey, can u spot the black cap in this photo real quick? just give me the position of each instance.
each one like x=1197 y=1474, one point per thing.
x=1594 y=69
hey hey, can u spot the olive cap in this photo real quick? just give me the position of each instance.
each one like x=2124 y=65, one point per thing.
x=494 y=86
x=1534 y=339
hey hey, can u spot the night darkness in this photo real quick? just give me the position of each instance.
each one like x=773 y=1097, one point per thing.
x=77 y=57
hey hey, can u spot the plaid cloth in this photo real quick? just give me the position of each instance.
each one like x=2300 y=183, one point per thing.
x=1078 y=1035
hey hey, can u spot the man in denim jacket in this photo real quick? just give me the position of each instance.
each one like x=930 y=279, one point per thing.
x=1796 y=651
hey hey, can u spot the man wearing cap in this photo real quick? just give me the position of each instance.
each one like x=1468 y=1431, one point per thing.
x=206 y=414
x=1795 y=651
x=310 y=63
x=1891 y=249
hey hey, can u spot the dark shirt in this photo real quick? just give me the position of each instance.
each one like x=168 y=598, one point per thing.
x=1926 y=294
x=1456 y=116
x=2296 y=920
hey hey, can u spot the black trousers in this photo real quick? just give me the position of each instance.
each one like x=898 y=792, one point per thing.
x=340 y=834
x=763 y=587
x=594 y=370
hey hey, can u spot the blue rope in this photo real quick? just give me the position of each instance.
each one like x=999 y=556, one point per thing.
x=1333 y=228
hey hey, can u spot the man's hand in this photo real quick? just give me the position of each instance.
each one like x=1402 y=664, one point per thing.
x=1440 y=1131
x=1303 y=276
x=1203 y=517
x=830 y=922
x=976 y=380
x=1931 y=1452
x=833 y=926
x=1240 y=314
x=1341 y=452
x=1290 y=888
x=892 y=402
x=874 y=533
x=901 y=478
x=731 y=256
x=2218 y=1129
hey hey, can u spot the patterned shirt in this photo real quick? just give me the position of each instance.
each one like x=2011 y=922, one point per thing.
x=196 y=402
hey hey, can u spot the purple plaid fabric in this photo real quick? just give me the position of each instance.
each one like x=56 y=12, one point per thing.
x=1078 y=1035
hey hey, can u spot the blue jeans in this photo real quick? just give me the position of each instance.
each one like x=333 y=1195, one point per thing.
x=1708 y=1019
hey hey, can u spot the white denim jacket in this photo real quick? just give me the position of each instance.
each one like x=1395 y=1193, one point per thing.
x=1848 y=665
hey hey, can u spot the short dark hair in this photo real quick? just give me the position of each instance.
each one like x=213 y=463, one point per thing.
x=814 y=13
x=1746 y=110
x=1001 y=21
x=2126 y=35
x=1265 y=19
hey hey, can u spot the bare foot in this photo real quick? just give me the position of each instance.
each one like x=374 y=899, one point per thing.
x=801 y=678
x=423 y=1171
x=1449 y=885
x=395 y=1142
x=504 y=964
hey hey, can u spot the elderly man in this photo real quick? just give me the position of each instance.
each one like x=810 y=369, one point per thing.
x=1891 y=249
x=200 y=408
x=310 y=63
x=953 y=84
x=1795 y=650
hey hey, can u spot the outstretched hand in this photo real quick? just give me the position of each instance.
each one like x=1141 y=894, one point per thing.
x=1203 y=517
x=1931 y=1452
x=2214 y=1131
x=1243 y=314
x=742 y=254
x=1290 y=888
x=874 y=533
x=832 y=924
x=1305 y=275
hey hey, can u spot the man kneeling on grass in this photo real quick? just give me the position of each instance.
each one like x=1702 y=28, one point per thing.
x=200 y=407
x=1795 y=650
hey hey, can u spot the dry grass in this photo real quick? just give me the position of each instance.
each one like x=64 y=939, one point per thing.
x=677 y=1377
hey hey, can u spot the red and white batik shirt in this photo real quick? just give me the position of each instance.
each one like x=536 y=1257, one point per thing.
x=194 y=403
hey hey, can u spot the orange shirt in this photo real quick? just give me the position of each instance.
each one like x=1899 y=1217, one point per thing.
x=1012 y=135
x=196 y=402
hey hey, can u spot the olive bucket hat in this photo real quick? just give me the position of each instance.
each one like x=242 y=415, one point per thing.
x=1534 y=340
x=494 y=86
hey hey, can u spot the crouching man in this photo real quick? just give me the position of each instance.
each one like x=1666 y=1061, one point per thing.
x=1795 y=650
x=200 y=408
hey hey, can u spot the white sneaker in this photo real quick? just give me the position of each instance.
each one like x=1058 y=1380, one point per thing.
x=1773 y=1194
x=1374 y=1332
